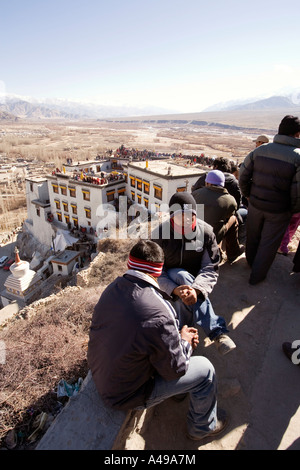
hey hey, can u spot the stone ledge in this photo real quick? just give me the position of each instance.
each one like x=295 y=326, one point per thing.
x=86 y=423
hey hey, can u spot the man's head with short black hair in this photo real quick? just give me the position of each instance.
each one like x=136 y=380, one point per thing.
x=147 y=250
x=290 y=125
x=222 y=164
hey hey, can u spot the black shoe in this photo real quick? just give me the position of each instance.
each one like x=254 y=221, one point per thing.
x=222 y=423
x=253 y=282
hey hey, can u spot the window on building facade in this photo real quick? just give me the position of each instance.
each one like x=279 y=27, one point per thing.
x=74 y=209
x=121 y=191
x=86 y=195
x=57 y=203
x=139 y=198
x=59 y=216
x=31 y=187
x=63 y=190
x=110 y=196
x=126 y=177
x=65 y=206
x=75 y=221
x=132 y=181
x=146 y=187
x=139 y=184
x=55 y=188
x=72 y=192
x=158 y=192
x=88 y=213
x=146 y=202
x=38 y=211
x=133 y=195
x=181 y=189
x=67 y=219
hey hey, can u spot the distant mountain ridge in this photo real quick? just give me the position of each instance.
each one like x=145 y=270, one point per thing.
x=268 y=103
x=13 y=107
x=67 y=110
x=290 y=100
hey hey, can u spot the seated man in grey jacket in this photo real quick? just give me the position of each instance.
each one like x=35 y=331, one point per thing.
x=137 y=354
x=191 y=268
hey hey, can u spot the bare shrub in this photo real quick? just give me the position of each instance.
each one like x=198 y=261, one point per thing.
x=41 y=351
x=113 y=264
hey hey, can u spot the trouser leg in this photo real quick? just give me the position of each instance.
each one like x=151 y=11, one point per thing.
x=200 y=382
x=273 y=229
x=255 y=221
x=232 y=241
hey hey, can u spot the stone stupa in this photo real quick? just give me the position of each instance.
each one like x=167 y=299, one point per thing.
x=22 y=283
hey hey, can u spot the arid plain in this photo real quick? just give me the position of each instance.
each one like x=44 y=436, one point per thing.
x=228 y=134
x=219 y=133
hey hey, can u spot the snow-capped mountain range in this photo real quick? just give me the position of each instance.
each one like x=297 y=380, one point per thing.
x=13 y=107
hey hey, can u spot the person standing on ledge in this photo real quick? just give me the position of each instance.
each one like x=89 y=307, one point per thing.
x=270 y=178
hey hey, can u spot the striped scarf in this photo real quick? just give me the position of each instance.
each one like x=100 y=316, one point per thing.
x=155 y=269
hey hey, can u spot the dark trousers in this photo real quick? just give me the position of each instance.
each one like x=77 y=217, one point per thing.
x=264 y=235
x=231 y=239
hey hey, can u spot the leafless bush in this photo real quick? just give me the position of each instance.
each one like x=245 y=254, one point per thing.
x=41 y=351
x=113 y=264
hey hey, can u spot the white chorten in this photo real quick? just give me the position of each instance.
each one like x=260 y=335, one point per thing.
x=23 y=282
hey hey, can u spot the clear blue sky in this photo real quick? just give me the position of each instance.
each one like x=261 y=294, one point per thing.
x=181 y=55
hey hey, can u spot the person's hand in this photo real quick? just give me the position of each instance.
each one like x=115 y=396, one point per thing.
x=190 y=335
x=187 y=294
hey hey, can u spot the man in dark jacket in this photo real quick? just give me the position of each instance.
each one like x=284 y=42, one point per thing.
x=220 y=212
x=190 y=269
x=270 y=179
x=231 y=182
x=137 y=354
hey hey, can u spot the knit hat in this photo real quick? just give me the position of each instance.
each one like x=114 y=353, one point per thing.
x=215 y=177
x=184 y=201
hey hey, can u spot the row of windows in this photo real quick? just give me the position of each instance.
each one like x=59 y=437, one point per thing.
x=110 y=195
x=72 y=191
x=65 y=207
x=144 y=186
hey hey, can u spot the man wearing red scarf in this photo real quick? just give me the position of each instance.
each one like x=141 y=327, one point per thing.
x=139 y=356
x=191 y=268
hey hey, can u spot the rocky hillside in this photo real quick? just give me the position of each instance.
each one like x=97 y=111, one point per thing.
x=47 y=342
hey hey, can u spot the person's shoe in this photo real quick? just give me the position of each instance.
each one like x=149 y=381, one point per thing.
x=222 y=422
x=224 y=344
x=253 y=282
x=288 y=350
x=239 y=253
